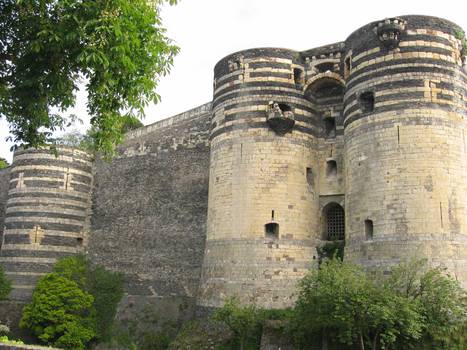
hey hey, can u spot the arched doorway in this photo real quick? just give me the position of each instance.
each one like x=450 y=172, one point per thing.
x=333 y=218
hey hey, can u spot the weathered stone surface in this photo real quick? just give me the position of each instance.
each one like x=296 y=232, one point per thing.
x=4 y=184
x=150 y=206
x=213 y=203
x=46 y=213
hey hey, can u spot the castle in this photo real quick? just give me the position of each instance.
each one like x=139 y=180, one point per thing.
x=361 y=141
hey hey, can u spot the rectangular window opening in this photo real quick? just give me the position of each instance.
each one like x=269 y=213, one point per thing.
x=331 y=168
x=368 y=229
x=310 y=177
x=298 y=76
x=330 y=127
x=272 y=230
x=367 y=101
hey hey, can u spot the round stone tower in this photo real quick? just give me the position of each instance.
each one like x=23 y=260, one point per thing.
x=47 y=213
x=405 y=143
x=263 y=206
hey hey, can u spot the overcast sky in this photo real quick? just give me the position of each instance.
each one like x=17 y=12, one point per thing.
x=207 y=30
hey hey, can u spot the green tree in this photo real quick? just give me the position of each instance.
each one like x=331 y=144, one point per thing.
x=442 y=303
x=60 y=313
x=85 y=141
x=106 y=288
x=5 y=285
x=117 y=48
x=340 y=305
x=415 y=307
x=3 y=163
x=53 y=317
x=245 y=322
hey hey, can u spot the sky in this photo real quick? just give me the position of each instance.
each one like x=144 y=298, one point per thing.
x=208 y=30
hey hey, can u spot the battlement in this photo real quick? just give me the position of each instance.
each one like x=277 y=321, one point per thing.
x=167 y=122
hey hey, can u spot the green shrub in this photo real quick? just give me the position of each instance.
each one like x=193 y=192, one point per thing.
x=106 y=288
x=4 y=339
x=461 y=36
x=72 y=323
x=330 y=250
x=155 y=341
x=60 y=313
x=244 y=321
x=342 y=306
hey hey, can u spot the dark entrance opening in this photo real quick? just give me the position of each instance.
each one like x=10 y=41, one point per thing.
x=271 y=230
x=334 y=222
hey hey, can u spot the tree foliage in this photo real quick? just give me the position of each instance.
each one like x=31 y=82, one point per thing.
x=106 y=288
x=5 y=285
x=244 y=321
x=3 y=163
x=86 y=142
x=340 y=305
x=74 y=304
x=60 y=313
x=442 y=303
x=117 y=48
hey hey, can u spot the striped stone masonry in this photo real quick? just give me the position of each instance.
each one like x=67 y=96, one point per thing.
x=376 y=156
x=361 y=141
x=47 y=213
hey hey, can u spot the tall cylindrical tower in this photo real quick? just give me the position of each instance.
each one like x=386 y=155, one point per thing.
x=405 y=144
x=47 y=213
x=263 y=203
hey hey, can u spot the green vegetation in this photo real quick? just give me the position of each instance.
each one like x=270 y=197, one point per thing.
x=339 y=306
x=331 y=250
x=342 y=306
x=245 y=322
x=117 y=48
x=60 y=313
x=4 y=339
x=460 y=34
x=74 y=304
x=3 y=163
x=86 y=141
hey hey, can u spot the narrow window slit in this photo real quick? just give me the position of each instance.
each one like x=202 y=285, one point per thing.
x=310 y=177
x=368 y=229
x=347 y=66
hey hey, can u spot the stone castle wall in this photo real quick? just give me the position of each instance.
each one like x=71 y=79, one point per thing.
x=150 y=205
x=259 y=178
x=407 y=159
x=46 y=215
x=232 y=198
x=4 y=184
